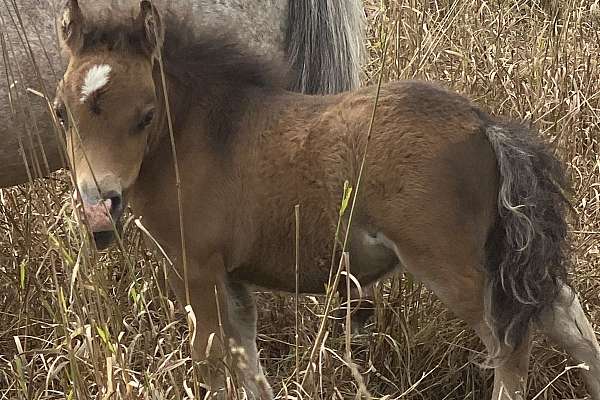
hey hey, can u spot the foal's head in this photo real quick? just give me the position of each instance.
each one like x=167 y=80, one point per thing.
x=107 y=103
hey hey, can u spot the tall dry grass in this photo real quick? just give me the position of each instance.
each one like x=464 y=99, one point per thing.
x=78 y=324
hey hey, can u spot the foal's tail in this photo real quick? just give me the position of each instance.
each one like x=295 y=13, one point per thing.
x=526 y=251
x=325 y=44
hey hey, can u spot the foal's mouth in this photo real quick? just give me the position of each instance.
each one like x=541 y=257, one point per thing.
x=103 y=239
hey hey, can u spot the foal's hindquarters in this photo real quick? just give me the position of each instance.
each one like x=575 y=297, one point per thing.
x=437 y=199
x=460 y=198
x=473 y=208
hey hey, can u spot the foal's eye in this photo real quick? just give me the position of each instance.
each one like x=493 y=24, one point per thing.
x=146 y=120
x=61 y=115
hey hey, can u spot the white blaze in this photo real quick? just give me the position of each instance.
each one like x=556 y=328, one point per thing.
x=95 y=79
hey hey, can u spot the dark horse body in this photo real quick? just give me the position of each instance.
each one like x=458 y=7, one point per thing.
x=472 y=206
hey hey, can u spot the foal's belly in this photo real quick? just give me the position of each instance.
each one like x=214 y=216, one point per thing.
x=372 y=255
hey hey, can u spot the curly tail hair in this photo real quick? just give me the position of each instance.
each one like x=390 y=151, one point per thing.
x=325 y=44
x=526 y=251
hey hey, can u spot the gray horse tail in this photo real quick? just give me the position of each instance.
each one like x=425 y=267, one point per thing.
x=526 y=251
x=325 y=45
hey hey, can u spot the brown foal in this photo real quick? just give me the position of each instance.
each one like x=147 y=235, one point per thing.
x=471 y=205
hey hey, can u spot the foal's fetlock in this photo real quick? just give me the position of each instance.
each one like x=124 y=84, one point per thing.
x=250 y=377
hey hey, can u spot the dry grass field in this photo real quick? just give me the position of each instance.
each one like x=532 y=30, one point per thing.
x=78 y=324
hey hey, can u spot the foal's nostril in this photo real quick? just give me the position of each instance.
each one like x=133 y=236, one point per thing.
x=116 y=203
x=116 y=206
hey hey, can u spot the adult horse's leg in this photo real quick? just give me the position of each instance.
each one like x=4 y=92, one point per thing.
x=235 y=310
x=566 y=324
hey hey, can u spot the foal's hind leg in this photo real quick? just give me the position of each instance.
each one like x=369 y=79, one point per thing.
x=567 y=325
x=460 y=286
x=510 y=376
x=510 y=365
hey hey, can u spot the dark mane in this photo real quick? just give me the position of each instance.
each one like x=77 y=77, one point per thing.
x=215 y=68
x=112 y=29
x=200 y=57
x=191 y=54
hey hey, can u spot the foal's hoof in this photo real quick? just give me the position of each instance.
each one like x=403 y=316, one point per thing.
x=360 y=320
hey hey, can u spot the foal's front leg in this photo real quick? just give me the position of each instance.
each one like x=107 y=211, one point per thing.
x=241 y=313
x=236 y=312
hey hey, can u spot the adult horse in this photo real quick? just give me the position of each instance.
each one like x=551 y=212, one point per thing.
x=323 y=40
x=470 y=204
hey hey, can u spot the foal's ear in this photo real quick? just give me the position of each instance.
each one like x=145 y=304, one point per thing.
x=154 y=31
x=71 y=26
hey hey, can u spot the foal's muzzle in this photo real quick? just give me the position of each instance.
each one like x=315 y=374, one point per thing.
x=103 y=216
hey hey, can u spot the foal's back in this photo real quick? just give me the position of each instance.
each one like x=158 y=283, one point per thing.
x=430 y=177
